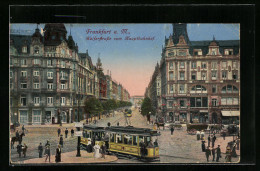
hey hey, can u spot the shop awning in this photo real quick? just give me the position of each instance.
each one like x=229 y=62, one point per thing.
x=230 y=113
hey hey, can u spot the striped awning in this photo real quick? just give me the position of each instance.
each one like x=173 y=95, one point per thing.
x=230 y=113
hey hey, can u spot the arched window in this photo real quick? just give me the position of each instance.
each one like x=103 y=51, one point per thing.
x=198 y=89
x=36 y=50
x=229 y=89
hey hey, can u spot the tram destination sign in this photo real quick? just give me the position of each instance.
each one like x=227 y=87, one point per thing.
x=78 y=133
x=79 y=124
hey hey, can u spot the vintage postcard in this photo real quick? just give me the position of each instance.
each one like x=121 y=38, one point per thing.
x=124 y=93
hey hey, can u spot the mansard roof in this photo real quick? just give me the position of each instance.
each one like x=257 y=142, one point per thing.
x=18 y=41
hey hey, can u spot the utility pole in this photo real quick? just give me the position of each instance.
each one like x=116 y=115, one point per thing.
x=78 y=129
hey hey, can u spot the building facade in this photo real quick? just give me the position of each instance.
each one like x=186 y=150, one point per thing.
x=50 y=79
x=200 y=80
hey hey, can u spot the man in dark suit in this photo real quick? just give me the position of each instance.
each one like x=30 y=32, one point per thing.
x=58 y=154
x=218 y=153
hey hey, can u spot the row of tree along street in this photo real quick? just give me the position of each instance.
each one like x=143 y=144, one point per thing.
x=147 y=109
x=95 y=108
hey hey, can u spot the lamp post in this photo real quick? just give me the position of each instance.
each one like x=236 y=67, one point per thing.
x=78 y=129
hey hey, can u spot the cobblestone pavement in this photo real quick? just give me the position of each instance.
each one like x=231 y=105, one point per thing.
x=177 y=148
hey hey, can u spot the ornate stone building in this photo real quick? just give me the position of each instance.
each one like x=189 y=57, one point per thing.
x=200 y=80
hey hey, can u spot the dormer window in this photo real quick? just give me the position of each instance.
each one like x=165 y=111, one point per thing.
x=36 y=50
x=197 y=52
x=214 y=52
x=228 y=51
x=24 y=49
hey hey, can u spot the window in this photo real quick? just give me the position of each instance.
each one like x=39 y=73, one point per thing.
x=182 y=103
x=200 y=53
x=229 y=101
x=214 y=88
x=63 y=64
x=182 y=76
x=198 y=102
x=112 y=137
x=119 y=138
x=24 y=49
x=23 y=116
x=49 y=62
x=213 y=51
x=62 y=51
x=36 y=116
x=181 y=88
x=11 y=62
x=193 y=65
x=214 y=75
x=224 y=64
x=182 y=53
x=228 y=51
x=49 y=100
x=214 y=102
x=182 y=65
x=224 y=74
x=36 y=100
x=24 y=73
x=171 y=89
x=171 y=65
x=193 y=75
x=170 y=75
x=50 y=75
x=234 y=75
x=11 y=74
x=36 y=73
x=23 y=62
x=63 y=86
x=204 y=65
x=198 y=89
x=203 y=75
x=171 y=54
x=50 y=86
x=36 y=50
x=53 y=37
x=214 y=65
x=23 y=85
x=229 y=89
x=23 y=100
x=134 y=140
x=235 y=101
x=63 y=100
x=36 y=85
x=36 y=61
x=11 y=85
x=234 y=64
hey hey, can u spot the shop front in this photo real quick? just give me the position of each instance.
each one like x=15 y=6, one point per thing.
x=183 y=116
x=230 y=117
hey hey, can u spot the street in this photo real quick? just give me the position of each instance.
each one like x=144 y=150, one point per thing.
x=177 y=148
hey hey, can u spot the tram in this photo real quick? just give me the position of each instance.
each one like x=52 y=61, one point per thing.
x=131 y=141
x=92 y=132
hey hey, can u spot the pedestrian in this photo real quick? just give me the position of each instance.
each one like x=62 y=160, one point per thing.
x=117 y=124
x=47 y=153
x=218 y=153
x=172 y=129
x=208 y=140
x=66 y=133
x=203 y=147
x=155 y=143
x=224 y=135
x=238 y=141
x=19 y=149
x=202 y=134
x=213 y=153
x=207 y=152
x=40 y=150
x=61 y=140
x=228 y=154
x=72 y=132
x=214 y=137
x=213 y=141
x=47 y=143
x=198 y=135
x=17 y=135
x=24 y=150
x=59 y=132
x=23 y=129
x=96 y=151
x=58 y=154
x=233 y=150
x=103 y=150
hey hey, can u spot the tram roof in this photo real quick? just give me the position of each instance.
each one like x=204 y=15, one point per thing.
x=133 y=130
x=92 y=127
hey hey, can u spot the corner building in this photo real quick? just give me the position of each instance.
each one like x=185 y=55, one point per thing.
x=200 y=80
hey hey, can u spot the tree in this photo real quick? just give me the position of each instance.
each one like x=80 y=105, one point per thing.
x=92 y=106
x=146 y=106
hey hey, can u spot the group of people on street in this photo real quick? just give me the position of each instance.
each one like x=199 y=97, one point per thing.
x=200 y=135
x=209 y=151
x=47 y=152
x=22 y=149
x=231 y=149
x=66 y=132
x=212 y=151
x=212 y=139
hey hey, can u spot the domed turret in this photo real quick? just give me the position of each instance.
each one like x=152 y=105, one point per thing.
x=54 y=34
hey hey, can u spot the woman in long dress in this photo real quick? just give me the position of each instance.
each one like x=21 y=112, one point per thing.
x=97 y=151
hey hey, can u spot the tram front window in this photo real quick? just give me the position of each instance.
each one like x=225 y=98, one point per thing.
x=112 y=137
x=118 y=138
x=134 y=140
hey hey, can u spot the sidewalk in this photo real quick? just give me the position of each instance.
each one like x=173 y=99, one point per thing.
x=70 y=157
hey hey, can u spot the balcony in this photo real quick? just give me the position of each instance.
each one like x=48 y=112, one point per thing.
x=64 y=78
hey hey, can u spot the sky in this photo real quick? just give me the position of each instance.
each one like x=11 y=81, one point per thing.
x=132 y=62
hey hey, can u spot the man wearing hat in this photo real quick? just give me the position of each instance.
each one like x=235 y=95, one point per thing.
x=218 y=153
x=47 y=153
x=58 y=154
x=207 y=153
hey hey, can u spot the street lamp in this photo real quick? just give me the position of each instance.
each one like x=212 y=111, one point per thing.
x=78 y=128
